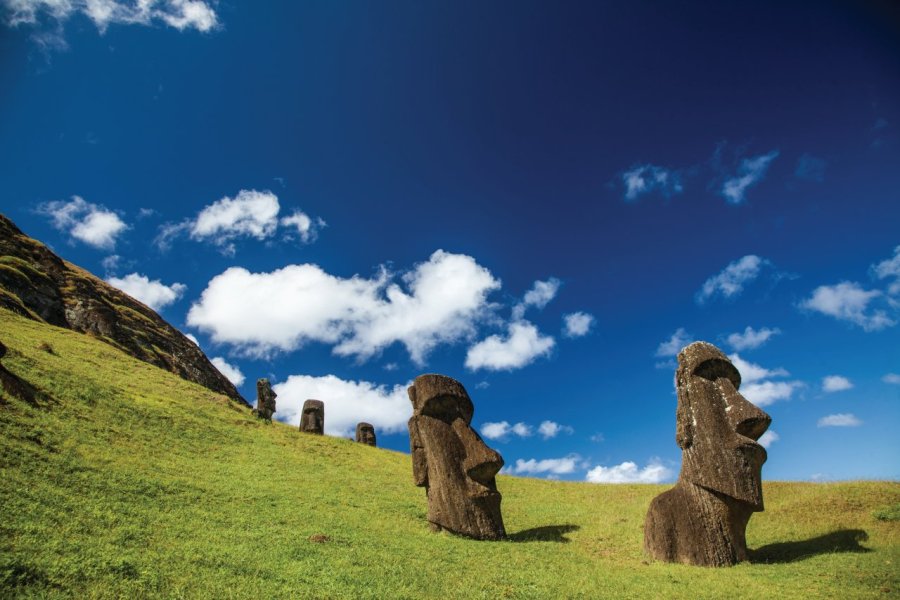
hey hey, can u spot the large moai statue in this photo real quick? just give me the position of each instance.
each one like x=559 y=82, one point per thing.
x=365 y=434
x=265 y=399
x=313 y=418
x=452 y=462
x=703 y=519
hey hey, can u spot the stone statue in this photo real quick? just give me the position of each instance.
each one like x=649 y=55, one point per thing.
x=702 y=520
x=313 y=418
x=451 y=461
x=365 y=434
x=265 y=399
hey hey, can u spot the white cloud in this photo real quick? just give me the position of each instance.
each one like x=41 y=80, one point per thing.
x=523 y=344
x=550 y=429
x=732 y=279
x=555 y=466
x=751 y=372
x=90 y=223
x=577 y=324
x=628 y=472
x=644 y=179
x=259 y=313
x=673 y=345
x=598 y=438
x=111 y=262
x=836 y=383
x=540 y=294
x=892 y=378
x=751 y=338
x=890 y=268
x=346 y=403
x=180 y=14
x=768 y=438
x=750 y=172
x=193 y=338
x=765 y=393
x=154 y=294
x=231 y=372
x=840 y=420
x=847 y=301
x=502 y=430
x=307 y=228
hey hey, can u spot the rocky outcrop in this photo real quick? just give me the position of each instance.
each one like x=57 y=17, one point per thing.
x=36 y=283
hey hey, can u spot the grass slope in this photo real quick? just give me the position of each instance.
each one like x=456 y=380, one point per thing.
x=127 y=481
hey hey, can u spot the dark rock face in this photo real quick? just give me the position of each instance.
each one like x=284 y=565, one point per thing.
x=265 y=400
x=3 y=353
x=313 y=418
x=703 y=519
x=37 y=284
x=451 y=461
x=365 y=434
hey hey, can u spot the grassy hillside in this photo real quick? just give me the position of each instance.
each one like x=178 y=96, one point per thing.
x=127 y=481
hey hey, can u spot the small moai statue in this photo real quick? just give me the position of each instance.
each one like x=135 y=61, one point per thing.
x=451 y=461
x=265 y=400
x=703 y=519
x=313 y=418
x=365 y=434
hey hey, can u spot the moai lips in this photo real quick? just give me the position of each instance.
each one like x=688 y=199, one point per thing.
x=313 y=418
x=703 y=519
x=451 y=461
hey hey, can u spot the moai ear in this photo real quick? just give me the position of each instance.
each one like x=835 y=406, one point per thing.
x=419 y=459
x=684 y=416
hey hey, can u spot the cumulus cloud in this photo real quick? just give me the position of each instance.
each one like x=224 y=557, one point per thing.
x=891 y=378
x=180 y=14
x=628 y=472
x=89 y=223
x=154 y=294
x=848 y=301
x=756 y=385
x=260 y=313
x=750 y=172
x=550 y=429
x=836 y=383
x=674 y=344
x=540 y=294
x=502 y=430
x=751 y=372
x=768 y=438
x=231 y=372
x=751 y=338
x=644 y=179
x=250 y=214
x=521 y=346
x=731 y=280
x=840 y=420
x=346 y=403
x=889 y=269
x=577 y=324
x=554 y=466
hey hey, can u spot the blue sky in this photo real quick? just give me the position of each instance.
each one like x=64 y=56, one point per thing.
x=544 y=202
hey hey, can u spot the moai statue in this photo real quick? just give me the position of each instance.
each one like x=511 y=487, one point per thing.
x=451 y=461
x=313 y=418
x=702 y=520
x=365 y=434
x=265 y=400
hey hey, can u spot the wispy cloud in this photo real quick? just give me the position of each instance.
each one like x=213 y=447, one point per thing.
x=757 y=385
x=555 y=466
x=848 y=301
x=540 y=294
x=674 y=344
x=836 y=383
x=154 y=294
x=750 y=172
x=889 y=269
x=577 y=324
x=751 y=338
x=629 y=472
x=502 y=430
x=768 y=438
x=644 y=179
x=522 y=345
x=550 y=429
x=730 y=281
x=840 y=420
x=89 y=223
x=891 y=378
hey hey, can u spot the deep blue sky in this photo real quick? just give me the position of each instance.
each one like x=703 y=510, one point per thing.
x=505 y=132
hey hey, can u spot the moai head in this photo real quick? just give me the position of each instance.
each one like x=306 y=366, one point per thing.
x=451 y=461
x=365 y=434
x=717 y=428
x=265 y=399
x=313 y=418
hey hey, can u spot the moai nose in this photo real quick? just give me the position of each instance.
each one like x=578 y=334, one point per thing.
x=481 y=463
x=744 y=416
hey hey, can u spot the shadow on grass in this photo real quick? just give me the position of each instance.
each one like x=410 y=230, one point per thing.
x=843 y=540
x=548 y=533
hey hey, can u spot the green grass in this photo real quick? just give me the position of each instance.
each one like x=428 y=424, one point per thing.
x=125 y=481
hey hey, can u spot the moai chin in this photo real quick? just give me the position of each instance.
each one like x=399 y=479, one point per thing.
x=365 y=434
x=265 y=399
x=313 y=418
x=703 y=519
x=452 y=462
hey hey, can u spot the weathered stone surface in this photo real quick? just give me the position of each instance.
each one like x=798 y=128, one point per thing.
x=365 y=434
x=451 y=461
x=265 y=399
x=313 y=418
x=39 y=285
x=702 y=520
